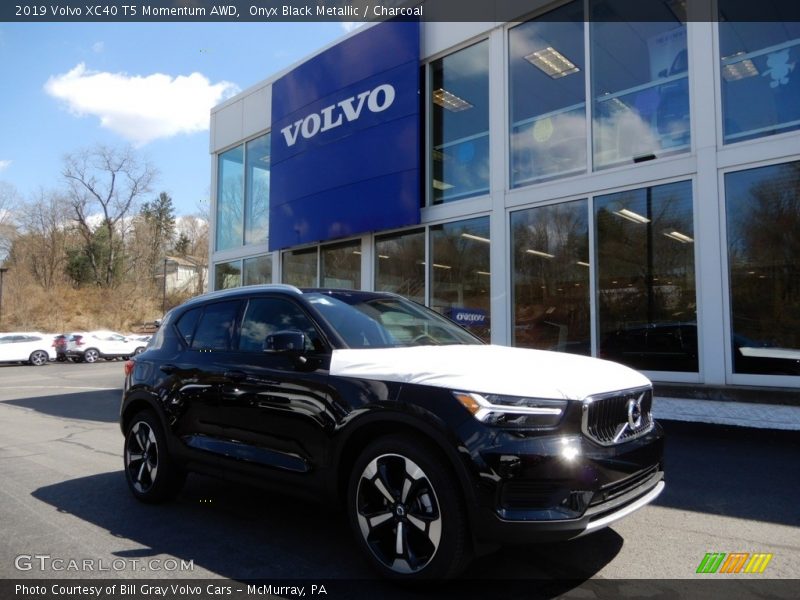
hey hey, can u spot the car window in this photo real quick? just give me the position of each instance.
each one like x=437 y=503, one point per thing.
x=216 y=327
x=265 y=316
x=187 y=323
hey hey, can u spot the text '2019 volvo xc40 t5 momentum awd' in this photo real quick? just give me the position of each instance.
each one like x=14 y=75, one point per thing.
x=434 y=443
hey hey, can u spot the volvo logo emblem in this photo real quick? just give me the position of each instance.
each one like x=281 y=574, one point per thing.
x=635 y=412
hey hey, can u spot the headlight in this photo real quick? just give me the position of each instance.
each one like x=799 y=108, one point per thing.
x=512 y=411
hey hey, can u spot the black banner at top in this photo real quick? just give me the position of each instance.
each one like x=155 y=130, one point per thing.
x=379 y=10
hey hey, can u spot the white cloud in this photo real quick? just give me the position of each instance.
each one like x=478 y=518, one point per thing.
x=98 y=47
x=4 y=164
x=141 y=108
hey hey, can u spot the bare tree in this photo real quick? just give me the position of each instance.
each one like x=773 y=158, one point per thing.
x=108 y=182
x=8 y=198
x=45 y=237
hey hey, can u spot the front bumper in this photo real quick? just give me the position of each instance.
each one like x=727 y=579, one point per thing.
x=561 y=487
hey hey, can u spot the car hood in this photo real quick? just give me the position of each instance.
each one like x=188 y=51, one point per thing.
x=489 y=369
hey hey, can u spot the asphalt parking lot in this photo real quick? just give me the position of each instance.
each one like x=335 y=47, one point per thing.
x=63 y=495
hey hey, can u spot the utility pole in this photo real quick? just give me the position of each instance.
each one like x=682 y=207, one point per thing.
x=2 y=272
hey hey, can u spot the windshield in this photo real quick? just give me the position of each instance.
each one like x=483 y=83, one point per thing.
x=388 y=323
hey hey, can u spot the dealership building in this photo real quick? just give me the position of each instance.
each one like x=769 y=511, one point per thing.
x=569 y=181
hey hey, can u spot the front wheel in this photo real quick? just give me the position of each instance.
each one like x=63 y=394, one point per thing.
x=91 y=355
x=406 y=510
x=38 y=358
x=149 y=469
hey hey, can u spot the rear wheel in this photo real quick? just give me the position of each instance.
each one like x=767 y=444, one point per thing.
x=151 y=473
x=38 y=358
x=406 y=512
x=91 y=355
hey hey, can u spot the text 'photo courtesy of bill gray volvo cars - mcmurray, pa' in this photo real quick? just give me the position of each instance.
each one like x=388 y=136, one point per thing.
x=434 y=443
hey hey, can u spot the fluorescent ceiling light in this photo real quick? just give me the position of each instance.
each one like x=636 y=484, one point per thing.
x=678 y=236
x=631 y=216
x=483 y=272
x=382 y=256
x=450 y=101
x=357 y=252
x=583 y=264
x=540 y=253
x=438 y=266
x=477 y=238
x=738 y=69
x=552 y=63
x=441 y=185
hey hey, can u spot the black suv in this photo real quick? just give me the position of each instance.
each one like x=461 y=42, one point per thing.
x=435 y=443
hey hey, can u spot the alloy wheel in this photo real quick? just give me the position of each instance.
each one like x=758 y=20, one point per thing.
x=141 y=457
x=39 y=358
x=398 y=513
x=91 y=355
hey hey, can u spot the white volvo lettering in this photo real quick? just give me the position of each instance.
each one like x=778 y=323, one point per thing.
x=376 y=100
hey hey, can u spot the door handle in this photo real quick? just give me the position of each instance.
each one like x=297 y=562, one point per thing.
x=235 y=375
x=168 y=369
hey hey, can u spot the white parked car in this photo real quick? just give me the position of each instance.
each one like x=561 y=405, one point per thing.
x=27 y=346
x=94 y=345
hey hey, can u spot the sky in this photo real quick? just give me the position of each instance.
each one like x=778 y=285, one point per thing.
x=69 y=86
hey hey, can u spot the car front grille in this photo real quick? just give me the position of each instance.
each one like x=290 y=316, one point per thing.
x=618 y=417
x=618 y=488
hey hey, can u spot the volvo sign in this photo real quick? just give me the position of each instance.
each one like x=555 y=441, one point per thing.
x=347 y=110
x=346 y=139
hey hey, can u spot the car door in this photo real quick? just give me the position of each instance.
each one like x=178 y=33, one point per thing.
x=277 y=403
x=195 y=374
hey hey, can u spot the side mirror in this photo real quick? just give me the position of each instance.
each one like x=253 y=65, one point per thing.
x=286 y=341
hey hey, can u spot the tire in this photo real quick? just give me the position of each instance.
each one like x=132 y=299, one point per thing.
x=406 y=511
x=91 y=355
x=139 y=350
x=39 y=358
x=150 y=471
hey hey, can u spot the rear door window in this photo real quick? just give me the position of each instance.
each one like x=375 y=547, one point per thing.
x=216 y=329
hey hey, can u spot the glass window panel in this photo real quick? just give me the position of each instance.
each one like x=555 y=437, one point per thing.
x=230 y=198
x=265 y=316
x=550 y=254
x=300 y=267
x=760 y=84
x=257 y=201
x=460 y=273
x=400 y=264
x=645 y=272
x=460 y=116
x=341 y=266
x=763 y=214
x=547 y=98
x=227 y=275
x=258 y=270
x=640 y=85
x=216 y=327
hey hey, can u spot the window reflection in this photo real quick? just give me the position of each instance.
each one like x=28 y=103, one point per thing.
x=646 y=284
x=763 y=214
x=760 y=83
x=341 y=265
x=400 y=264
x=460 y=275
x=460 y=116
x=300 y=267
x=547 y=101
x=257 y=201
x=227 y=275
x=257 y=270
x=230 y=198
x=550 y=254
x=640 y=84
